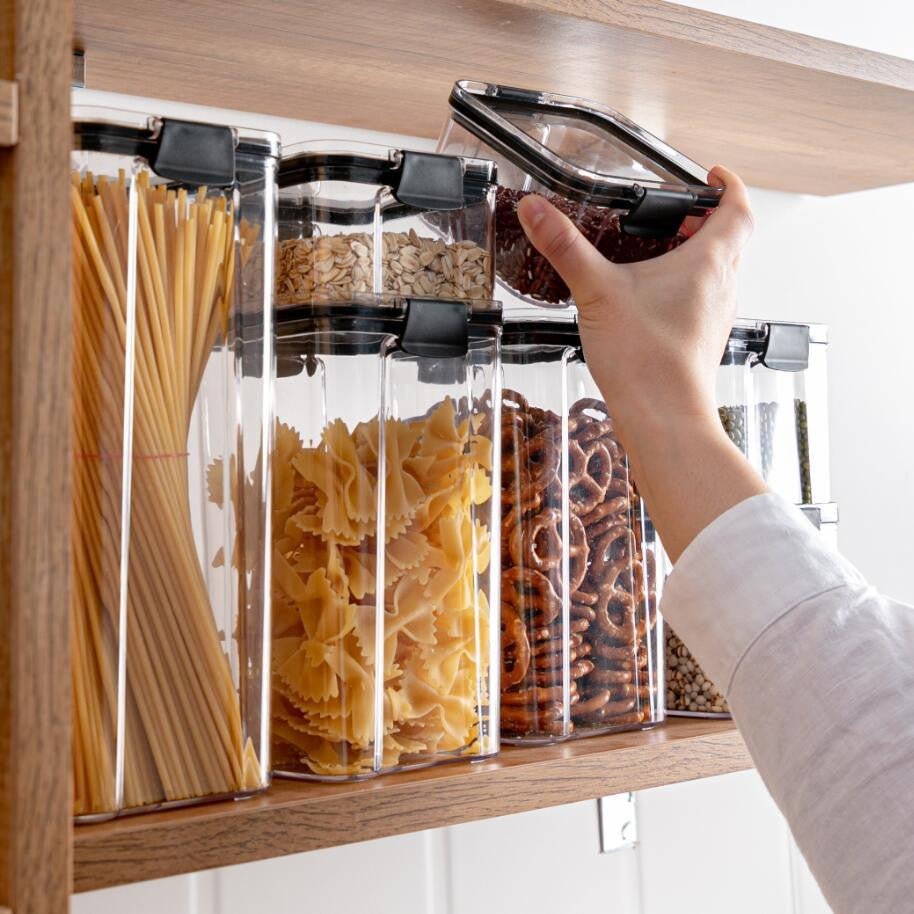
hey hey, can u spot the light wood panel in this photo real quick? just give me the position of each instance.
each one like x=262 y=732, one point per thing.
x=786 y=110
x=296 y=816
x=35 y=463
x=9 y=117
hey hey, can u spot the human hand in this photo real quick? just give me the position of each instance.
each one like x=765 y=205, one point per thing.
x=653 y=332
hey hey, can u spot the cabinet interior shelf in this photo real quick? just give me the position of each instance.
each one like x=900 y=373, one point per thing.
x=297 y=816
x=785 y=110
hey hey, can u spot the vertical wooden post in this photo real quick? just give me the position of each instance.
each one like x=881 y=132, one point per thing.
x=35 y=451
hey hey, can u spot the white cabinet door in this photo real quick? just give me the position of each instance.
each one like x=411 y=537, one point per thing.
x=540 y=862
x=714 y=846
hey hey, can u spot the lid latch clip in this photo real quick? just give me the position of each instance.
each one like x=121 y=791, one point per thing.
x=786 y=348
x=429 y=181
x=658 y=214
x=192 y=153
x=437 y=332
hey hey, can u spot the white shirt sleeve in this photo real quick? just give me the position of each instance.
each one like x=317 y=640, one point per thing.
x=818 y=669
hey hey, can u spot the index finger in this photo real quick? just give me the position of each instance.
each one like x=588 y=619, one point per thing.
x=729 y=226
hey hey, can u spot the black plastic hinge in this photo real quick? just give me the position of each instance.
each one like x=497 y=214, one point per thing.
x=192 y=153
x=658 y=214
x=436 y=329
x=430 y=181
x=786 y=348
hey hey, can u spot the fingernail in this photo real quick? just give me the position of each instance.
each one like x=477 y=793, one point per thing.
x=531 y=211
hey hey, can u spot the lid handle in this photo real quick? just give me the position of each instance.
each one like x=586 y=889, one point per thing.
x=429 y=181
x=658 y=214
x=436 y=329
x=786 y=348
x=194 y=153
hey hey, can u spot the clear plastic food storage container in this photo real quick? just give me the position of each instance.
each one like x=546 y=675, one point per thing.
x=173 y=234
x=772 y=400
x=689 y=692
x=385 y=655
x=580 y=570
x=365 y=219
x=626 y=190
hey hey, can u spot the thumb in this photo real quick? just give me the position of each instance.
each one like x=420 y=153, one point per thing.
x=575 y=259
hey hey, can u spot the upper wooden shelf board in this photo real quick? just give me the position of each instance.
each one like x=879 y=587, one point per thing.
x=299 y=816
x=785 y=110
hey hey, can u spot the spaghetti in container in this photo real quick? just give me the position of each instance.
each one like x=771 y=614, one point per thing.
x=173 y=255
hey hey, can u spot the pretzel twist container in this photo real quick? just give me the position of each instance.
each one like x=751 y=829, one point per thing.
x=385 y=561
x=580 y=568
x=173 y=234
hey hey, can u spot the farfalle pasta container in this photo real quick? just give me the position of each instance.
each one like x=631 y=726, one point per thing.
x=581 y=636
x=173 y=227
x=626 y=190
x=772 y=400
x=357 y=218
x=385 y=652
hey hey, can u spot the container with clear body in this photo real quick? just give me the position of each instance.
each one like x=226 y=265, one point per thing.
x=772 y=400
x=385 y=655
x=580 y=567
x=627 y=191
x=173 y=232
x=359 y=219
x=689 y=692
x=771 y=392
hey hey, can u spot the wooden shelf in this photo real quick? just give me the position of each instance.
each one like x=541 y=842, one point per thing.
x=296 y=816
x=787 y=111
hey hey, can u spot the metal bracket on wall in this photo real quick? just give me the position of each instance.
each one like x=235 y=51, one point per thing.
x=78 y=73
x=9 y=113
x=618 y=822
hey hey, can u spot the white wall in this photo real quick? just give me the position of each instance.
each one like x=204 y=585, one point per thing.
x=712 y=846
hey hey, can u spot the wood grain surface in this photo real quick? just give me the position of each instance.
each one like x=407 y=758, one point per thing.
x=785 y=110
x=297 y=816
x=9 y=116
x=35 y=807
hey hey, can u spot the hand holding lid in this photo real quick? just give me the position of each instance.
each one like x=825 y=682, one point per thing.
x=653 y=332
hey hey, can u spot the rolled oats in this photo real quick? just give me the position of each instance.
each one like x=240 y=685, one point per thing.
x=339 y=266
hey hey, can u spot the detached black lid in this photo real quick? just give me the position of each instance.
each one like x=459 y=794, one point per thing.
x=583 y=150
x=190 y=152
x=418 y=180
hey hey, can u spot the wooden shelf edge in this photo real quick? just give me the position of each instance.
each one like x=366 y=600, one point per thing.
x=294 y=817
x=9 y=112
x=674 y=21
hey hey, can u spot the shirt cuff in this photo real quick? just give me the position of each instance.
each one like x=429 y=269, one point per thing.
x=743 y=572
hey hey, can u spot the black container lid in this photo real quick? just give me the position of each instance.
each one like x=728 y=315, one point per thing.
x=419 y=181
x=428 y=321
x=636 y=167
x=190 y=152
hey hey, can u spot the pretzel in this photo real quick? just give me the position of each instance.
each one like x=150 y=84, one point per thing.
x=515 y=658
x=534 y=696
x=578 y=553
x=535 y=541
x=588 y=706
x=531 y=593
x=582 y=611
